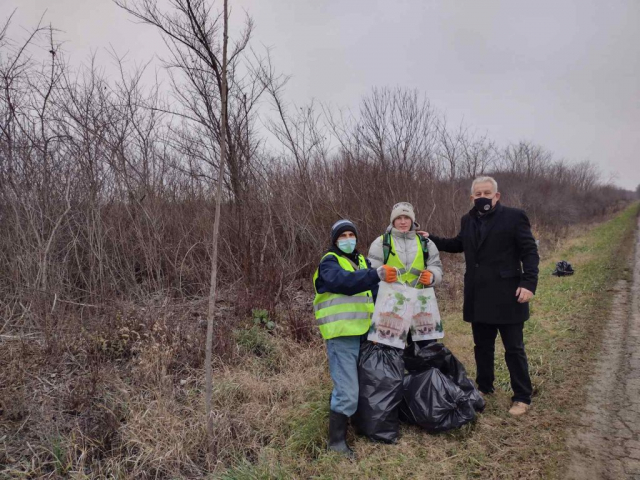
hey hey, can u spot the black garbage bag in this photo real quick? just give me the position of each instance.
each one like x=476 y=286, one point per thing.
x=433 y=355
x=380 y=375
x=432 y=401
x=473 y=394
x=436 y=355
x=563 y=268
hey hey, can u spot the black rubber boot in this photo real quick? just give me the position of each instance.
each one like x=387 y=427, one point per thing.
x=338 y=434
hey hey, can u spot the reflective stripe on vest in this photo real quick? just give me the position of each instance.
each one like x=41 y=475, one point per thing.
x=343 y=315
x=409 y=276
x=341 y=300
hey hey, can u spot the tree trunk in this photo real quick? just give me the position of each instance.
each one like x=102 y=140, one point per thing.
x=216 y=230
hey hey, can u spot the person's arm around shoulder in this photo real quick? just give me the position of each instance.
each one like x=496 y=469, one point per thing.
x=376 y=253
x=434 y=264
x=450 y=245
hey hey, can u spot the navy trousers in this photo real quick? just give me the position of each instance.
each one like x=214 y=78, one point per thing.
x=484 y=338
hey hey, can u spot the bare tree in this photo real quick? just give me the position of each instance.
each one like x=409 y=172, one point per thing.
x=585 y=175
x=216 y=228
x=397 y=127
x=479 y=155
x=192 y=35
x=450 y=149
x=300 y=133
x=36 y=177
x=527 y=159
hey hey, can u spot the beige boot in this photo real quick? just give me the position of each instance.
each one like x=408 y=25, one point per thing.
x=519 y=408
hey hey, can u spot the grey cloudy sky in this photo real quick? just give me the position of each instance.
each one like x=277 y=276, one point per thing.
x=564 y=74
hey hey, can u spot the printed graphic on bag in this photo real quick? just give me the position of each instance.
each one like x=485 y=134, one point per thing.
x=400 y=309
x=390 y=325
x=426 y=323
x=391 y=319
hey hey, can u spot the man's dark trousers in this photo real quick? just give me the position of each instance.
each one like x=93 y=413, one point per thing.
x=484 y=338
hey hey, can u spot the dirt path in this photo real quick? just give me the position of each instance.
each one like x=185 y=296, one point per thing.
x=606 y=445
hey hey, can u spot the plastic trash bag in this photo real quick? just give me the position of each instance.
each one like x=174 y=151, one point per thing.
x=380 y=375
x=472 y=393
x=436 y=355
x=563 y=268
x=432 y=401
x=420 y=359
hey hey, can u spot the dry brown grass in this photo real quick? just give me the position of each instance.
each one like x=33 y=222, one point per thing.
x=126 y=400
x=120 y=396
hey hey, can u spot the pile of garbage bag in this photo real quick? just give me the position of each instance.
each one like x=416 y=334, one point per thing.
x=432 y=401
x=563 y=268
x=434 y=394
x=380 y=374
x=436 y=355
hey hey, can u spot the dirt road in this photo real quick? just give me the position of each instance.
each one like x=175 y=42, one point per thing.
x=606 y=445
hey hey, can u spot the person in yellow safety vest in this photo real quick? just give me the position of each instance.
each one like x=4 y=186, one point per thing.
x=402 y=248
x=345 y=286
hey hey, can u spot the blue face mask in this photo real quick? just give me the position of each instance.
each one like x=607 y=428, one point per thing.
x=348 y=245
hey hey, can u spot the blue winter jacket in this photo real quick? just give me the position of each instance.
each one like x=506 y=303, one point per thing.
x=335 y=279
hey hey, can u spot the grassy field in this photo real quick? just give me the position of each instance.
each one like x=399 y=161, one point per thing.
x=127 y=404
x=562 y=341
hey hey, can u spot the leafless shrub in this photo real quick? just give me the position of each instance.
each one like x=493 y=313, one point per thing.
x=106 y=214
x=106 y=196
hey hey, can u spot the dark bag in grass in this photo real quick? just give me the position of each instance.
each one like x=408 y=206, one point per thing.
x=563 y=268
x=380 y=375
x=432 y=401
x=436 y=355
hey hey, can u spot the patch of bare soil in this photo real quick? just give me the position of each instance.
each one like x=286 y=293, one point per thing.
x=606 y=443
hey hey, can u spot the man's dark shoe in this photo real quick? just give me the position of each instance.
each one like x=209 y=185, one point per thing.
x=338 y=434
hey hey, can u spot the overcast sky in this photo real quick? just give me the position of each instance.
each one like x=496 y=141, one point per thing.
x=564 y=74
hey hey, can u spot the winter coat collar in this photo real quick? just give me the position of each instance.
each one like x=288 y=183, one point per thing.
x=398 y=234
x=404 y=245
x=489 y=219
x=352 y=257
x=475 y=214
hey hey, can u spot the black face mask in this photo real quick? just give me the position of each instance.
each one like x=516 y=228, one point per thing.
x=482 y=205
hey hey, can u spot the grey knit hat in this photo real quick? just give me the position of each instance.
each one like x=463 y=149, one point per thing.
x=402 y=208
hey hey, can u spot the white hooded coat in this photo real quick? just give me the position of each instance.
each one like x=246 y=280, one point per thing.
x=406 y=248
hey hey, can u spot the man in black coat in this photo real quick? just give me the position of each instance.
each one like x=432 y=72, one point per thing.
x=501 y=277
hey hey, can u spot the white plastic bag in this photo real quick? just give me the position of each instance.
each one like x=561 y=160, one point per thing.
x=400 y=309
x=426 y=323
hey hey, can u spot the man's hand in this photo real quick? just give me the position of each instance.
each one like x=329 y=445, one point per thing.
x=523 y=295
x=423 y=233
x=387 y=273
x=426 y=277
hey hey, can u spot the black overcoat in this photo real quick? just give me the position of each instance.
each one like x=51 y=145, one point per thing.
x=499 y=261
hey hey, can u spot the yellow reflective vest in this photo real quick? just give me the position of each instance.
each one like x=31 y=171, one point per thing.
x=410 y=275
x=343 y=315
